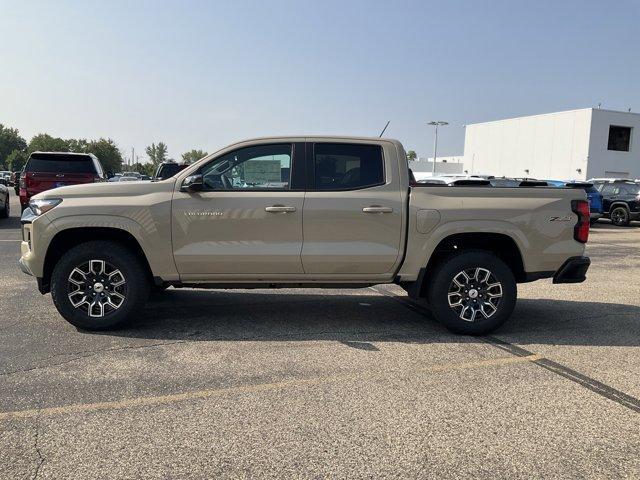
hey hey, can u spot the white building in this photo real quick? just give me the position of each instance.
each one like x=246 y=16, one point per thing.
x=577 y=144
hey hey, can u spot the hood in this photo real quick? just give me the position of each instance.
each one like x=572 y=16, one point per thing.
x=107 y=189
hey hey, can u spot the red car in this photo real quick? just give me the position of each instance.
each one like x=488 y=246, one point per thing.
x=47 y=170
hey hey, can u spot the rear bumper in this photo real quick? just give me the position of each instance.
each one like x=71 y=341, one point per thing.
x=574 y=270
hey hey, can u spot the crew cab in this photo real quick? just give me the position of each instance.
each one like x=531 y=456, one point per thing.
x=302 y=212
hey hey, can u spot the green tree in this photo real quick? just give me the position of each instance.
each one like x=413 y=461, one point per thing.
x=78 y=146
x=143 y=168
x=193 y=155
x=16 y=160
x=412 y=155
x=107 y=152
x=157 y=153
x=10 y=140
x=43 y=142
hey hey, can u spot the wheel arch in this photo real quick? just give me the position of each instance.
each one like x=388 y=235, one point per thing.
x=71 y=237
x=617 y=204
x=500 y=244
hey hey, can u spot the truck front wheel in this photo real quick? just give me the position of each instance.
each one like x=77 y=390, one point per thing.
x=472 y=292
x=99 y=285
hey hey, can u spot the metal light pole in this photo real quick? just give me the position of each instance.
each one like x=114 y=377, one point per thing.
x=436 y=123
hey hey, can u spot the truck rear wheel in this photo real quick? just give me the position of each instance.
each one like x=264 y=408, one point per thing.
x=472 y=292
x=99 y=285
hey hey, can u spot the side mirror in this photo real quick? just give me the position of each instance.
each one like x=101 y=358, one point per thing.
x=192 y=183
x=110 y=174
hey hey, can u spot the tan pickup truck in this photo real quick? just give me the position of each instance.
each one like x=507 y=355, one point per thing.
x=302 y=212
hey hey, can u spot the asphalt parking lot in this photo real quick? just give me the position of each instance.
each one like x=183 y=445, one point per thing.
x=326 y=383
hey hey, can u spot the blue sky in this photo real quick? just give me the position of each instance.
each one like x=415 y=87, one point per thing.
x=204 y=74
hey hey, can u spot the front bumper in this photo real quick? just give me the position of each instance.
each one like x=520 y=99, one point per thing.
x=574 y=270
x=24 y=267
x=25 y=247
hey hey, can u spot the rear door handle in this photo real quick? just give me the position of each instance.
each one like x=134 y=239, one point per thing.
x=280 y=209
x=377 y=209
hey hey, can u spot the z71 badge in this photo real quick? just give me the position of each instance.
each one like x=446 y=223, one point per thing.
x=565 y=218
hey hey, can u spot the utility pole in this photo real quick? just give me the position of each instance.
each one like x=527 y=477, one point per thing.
x=133 y=156
x=436 y=123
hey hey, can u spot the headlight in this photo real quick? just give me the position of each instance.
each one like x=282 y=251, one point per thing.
x=38 y=207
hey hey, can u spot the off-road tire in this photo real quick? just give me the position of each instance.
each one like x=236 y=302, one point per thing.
x=442 y=283
x=116 y=255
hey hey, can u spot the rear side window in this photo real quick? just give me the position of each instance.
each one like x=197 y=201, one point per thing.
x=343 y=166
x=591 y=189
x=60 y=164
x=630 y=189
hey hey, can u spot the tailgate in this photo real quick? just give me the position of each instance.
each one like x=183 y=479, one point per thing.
x=37 y=182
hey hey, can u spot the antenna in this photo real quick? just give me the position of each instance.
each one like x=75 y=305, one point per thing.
x=385 y=127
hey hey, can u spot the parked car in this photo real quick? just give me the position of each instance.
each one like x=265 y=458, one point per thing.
x=504 y=182
x=454 y=181
x=598 y=181
x=47 y=170
x=620 y=201
x=5 y=175
x=5 y=203
x=234 y=220
x=168 y=170
x=593 y=195
x=15 y=182
x=131 y=174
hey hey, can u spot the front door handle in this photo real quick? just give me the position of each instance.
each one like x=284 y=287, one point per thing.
x=377 y=209
x=280 y=209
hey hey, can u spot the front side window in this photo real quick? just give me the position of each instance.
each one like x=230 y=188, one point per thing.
x=619 y=138
x=341 y=166
x=261 y=167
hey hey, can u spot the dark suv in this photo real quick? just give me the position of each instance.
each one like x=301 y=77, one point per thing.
x=620 y=201
x=47 y=170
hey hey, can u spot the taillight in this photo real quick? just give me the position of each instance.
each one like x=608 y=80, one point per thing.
x=581 y=230
x=23 y=182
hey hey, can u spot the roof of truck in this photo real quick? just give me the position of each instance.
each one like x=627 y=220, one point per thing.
x=315 y=137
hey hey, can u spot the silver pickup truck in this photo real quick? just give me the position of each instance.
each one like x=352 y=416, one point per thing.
x=302 y=212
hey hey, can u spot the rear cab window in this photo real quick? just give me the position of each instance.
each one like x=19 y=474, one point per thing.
x=346 y=166
x=61 y=163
